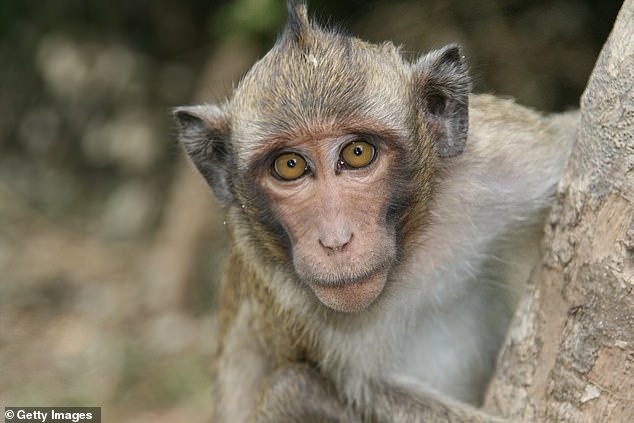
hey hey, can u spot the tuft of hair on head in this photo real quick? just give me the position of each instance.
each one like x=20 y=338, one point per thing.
x=298 y=26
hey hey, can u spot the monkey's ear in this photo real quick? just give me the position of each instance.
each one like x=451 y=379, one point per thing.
x=204 y=133
x=442 y=86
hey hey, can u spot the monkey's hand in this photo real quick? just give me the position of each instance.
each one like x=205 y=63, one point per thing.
x=297 y=393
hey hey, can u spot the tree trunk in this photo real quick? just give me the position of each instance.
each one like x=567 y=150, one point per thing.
x=570 y=353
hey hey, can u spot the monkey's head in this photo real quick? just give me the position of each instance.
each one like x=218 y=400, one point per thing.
x=326 y=153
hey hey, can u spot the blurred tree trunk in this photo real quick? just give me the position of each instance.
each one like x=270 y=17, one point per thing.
x=190 y=210
x=570 y=353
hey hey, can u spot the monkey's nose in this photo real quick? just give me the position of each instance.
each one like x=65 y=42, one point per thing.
x=335 y=243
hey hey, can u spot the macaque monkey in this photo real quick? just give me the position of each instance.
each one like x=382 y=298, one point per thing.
x=383 y=221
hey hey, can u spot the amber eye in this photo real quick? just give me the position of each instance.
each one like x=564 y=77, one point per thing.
x=289 y=166
x=358 y=154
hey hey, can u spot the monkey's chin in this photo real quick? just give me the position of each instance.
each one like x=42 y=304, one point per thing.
x=353 y=296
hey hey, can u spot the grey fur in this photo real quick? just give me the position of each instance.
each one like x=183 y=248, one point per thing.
x=468 y=232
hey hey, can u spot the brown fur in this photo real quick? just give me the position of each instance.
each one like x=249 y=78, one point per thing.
x=380 y=293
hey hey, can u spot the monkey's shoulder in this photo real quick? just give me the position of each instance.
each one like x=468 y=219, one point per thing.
x=245 y=304
x=491 y=116
x=504 y=133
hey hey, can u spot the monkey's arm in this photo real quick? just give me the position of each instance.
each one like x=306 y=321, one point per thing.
x=259 y=377
x=255 y=386
x=298 y=393
x=401 y=404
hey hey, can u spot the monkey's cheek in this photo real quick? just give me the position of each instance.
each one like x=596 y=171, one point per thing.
x=352 y=297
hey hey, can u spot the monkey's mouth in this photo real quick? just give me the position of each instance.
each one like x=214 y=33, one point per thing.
x=353 y=295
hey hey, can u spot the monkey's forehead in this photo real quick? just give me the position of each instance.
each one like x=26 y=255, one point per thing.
x=335 y=81
x=329 y=70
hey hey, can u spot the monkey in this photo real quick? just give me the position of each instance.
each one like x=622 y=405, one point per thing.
x=383 y=220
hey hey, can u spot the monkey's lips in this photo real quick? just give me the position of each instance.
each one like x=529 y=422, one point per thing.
x=351 y=296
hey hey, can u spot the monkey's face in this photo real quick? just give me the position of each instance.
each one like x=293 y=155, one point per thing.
x=331 y=197
x=326 y=156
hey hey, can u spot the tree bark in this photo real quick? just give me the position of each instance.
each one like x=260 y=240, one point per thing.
x=570 y=353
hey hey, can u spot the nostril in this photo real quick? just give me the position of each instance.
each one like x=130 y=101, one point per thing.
x=336 y=244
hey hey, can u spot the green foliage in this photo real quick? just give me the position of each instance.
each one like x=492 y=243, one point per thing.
x=246 y=18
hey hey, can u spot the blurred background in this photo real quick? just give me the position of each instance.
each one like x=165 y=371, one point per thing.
x=111 y=247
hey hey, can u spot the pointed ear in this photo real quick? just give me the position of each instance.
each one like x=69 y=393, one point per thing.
x=442 y=86
x=204 y=132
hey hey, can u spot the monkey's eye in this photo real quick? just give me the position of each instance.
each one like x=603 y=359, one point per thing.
x=289 y=166
x=358 y=154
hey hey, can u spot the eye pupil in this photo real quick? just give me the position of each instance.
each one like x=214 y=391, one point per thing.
x=291 y=163
x=358 y=151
